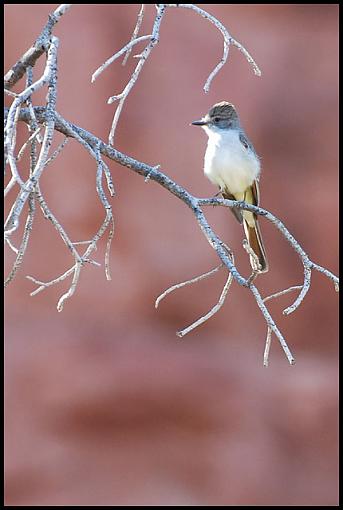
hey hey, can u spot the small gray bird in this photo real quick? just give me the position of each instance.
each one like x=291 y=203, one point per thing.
x=232 y=164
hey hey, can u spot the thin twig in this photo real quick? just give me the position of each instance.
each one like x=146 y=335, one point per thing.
x=304 y=290
x=32 y=207
x=74 y=269
x=109 y=181
x=22 y=150
x=197 y=279
x=10 y=185
x=11 y=245
x=43 y=285
x=108 y=250
x=82 y=242
x=32 y=114
x=10 y=93
x=143 y=57
x=228 y=39
x=146 y=52
x=24 y=242
x=114 y=57
x=187 y=282
x=271 y=324
x=135 y=32
x=50 y=216
x=49 y=76
x=108 y=209
x=9 y=145
x=213 y=311
x=56 y=152
x=267 y=347
x=71 y=290
x=282 y=292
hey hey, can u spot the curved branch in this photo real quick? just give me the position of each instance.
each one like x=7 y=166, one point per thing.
x=228 y=39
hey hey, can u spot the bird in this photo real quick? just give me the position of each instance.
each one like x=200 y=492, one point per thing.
x=231 y=163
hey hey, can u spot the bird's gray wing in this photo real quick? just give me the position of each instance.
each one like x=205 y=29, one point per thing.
x=236 y=212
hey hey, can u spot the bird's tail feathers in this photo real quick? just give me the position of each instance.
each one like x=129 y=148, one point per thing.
x=254 y=238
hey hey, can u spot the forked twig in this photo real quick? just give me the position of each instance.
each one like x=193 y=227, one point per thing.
x=228 y=39
x=154 y=37
x=213 y=310
x=114 y=57
x=187 y=282
x=142 y=59
x=135 y=32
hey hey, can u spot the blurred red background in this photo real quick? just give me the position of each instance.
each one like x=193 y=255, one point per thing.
x=104 y=404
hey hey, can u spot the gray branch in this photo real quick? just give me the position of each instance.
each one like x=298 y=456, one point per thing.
x=40 y=46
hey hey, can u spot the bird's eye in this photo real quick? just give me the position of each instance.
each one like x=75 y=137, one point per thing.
x=216 y=119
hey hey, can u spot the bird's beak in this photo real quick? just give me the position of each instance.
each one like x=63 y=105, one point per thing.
x=199 y=123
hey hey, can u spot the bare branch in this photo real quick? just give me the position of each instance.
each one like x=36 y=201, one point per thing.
x=24 y=242
x=307 y=263
x=187 y=282
x=267 y=347
x=50 y=216
x=70 y=292
x=327 y=273
x=32 y=207
x=213 y=311
x=108 y=176
x=304 y=290
x=10 y=93
x=197 y=279
x=271 y=324
x=10 y=185
x=49 y=76
x=282 y=292
x=39 y=47
x=56 y=152
x=114 y=57
x=76 y=268
x=22 y=150
x=13 y=248
x=9 y=153
x=43 y=285
x=143 y=57
x=135 y=32
x=228 y=39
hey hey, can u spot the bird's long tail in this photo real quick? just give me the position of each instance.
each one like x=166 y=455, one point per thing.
x=254 y=238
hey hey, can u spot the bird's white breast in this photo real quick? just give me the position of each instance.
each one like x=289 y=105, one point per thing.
x=228 y=163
